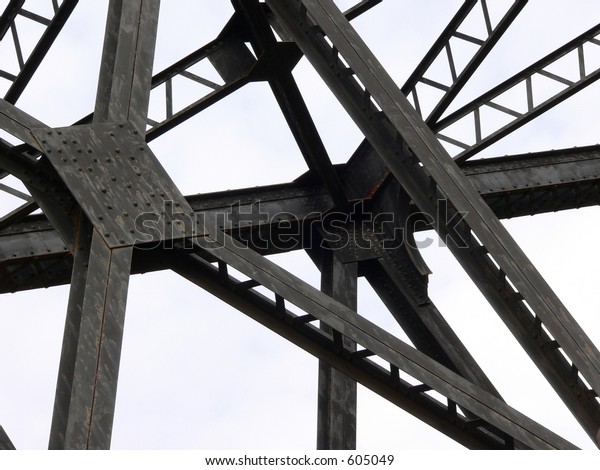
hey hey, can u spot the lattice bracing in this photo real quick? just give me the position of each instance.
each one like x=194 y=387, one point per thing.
x=89 y=204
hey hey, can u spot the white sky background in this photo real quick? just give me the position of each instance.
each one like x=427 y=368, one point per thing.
x=196 y=374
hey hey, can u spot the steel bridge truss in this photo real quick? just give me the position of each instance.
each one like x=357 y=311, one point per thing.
x=96 y=180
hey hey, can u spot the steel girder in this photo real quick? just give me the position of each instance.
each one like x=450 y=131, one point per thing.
x=401 y=168
x=33 y=255
x=5 y=442
x=28 y=64
x=478 y=241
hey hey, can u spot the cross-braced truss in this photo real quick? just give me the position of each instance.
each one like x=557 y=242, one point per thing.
x=91 y=204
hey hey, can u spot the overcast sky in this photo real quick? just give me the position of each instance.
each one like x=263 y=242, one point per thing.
x=196 y=374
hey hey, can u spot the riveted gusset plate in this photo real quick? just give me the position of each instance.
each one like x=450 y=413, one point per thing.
x=119 y=183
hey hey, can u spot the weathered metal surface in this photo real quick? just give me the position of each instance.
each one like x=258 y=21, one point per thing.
x=8 y=15
x=337 y=393
x=372 y=338
x=271 y=219
x=443 y=45
x=88 y=373
x=357 y=366
x=5 y=442
x=37 y=55
x=130 y=201
x=87 y=383
x=119 y=183
x=588 y=73
x=402 y=140
x=126 y=68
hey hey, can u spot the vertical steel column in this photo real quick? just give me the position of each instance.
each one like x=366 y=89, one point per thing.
x=336 y=415
x=68 y=356
x=100 y=300
x=87 y=383
x=126 y=70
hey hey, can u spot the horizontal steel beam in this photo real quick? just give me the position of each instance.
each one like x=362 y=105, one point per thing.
x=32 y=254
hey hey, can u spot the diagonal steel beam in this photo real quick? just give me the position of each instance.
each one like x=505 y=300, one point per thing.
x=399 y=276
x=478 y=240
x=442 y=46
x=459 y=79
x=290 y=101
x=587 y=73
x=42 y=47
x=311 y=339
x=39 y=177
x=501 y=419
x=361 y=7
x=18 y=123
x=227 y=44
x=8 y=16
x=5 y=442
